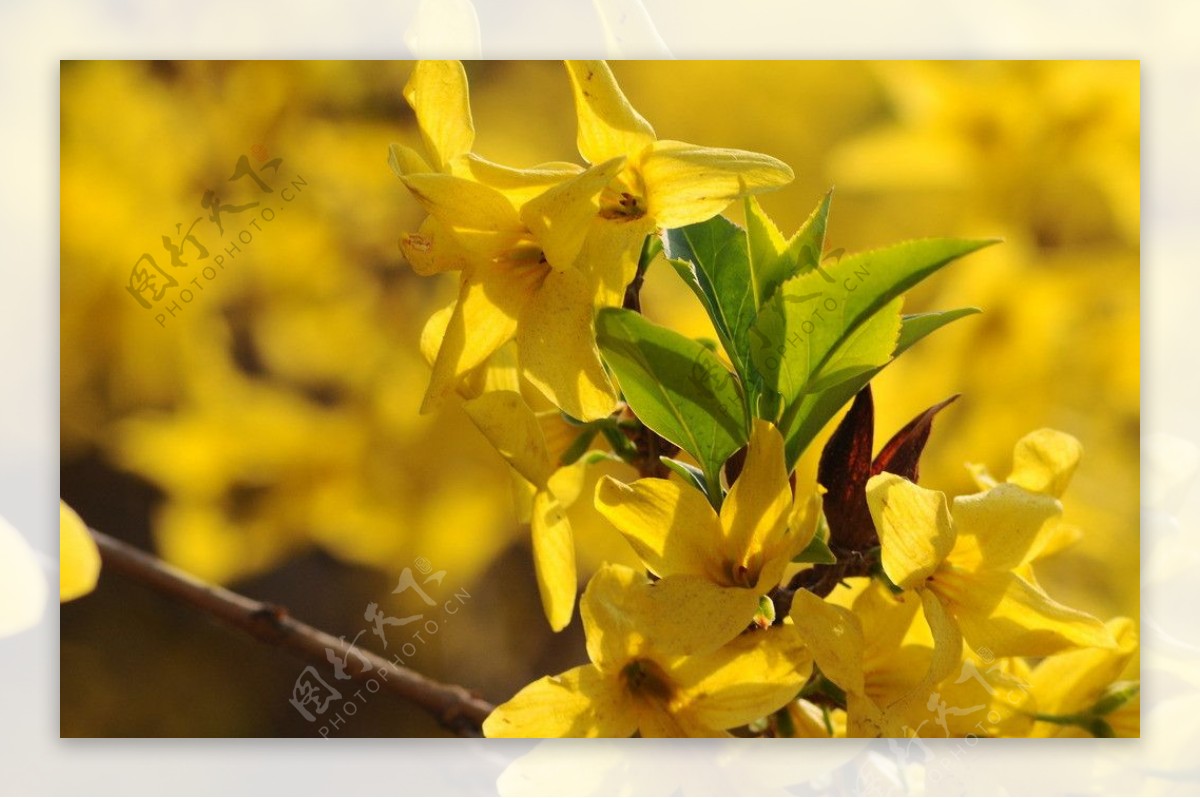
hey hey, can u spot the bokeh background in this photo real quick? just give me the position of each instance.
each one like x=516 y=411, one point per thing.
x=267 y=436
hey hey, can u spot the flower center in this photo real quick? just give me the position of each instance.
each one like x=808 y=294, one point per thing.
x=624 y=198
x=644 y=677
x=743 y=574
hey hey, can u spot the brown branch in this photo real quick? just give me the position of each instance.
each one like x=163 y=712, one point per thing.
x=452 y=706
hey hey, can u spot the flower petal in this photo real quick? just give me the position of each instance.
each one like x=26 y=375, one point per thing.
x=437 y=92
x=1004 y=614
x=914 y=527
x=687 y=614
x=834 y=637
x=1004 y=523
x=405 y=161
x=583 y=702
x=608 y=125
x=671 y=526
x=482 y=219
x=562 y=215
x=610 y=256
x=1071 y=682
x=756 y=512
x=894 y=718
x=513 y=429
x=1045 y=460
x=556 y=339
x=656 y=720
x=686 y=184
x=612 y=632
x=79 y=559
x=484 y=319
x=554 y=559
x=433 y=249
x=519 y=186
x=747 y=679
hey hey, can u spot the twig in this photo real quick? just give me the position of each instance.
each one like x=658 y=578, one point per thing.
x=452 y=706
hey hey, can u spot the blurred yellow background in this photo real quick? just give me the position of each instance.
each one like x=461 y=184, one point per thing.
x=265 y=435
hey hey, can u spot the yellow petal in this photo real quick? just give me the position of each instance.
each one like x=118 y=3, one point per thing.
x=481 y=219
x=1071 y=682
x=686 y=614
x=755 y=513
x=804 y=519
x=22 y=584
x=1045 y=460
x=560 y=435
x=79 y=559
x=1055 y=537
x=513 y=429
x=886 y=617
x=406 y=161
x=833 y=636
x=437 y=92
x=747 y=679
x=433 y=249
x=610 y=256
x=556 y=339
x=1003 y=614
x=567 y=481
x=1004 y=522
x=608 y=125
x=671 y=526
x=554 y=559
x=518 y=185
x=686 y=184
x=561 y=216
x=656 y=720
x=915 y=532
x=947 y=656
x=484 y=319
x=583 y=702
x=612 y=632
x=980 y=475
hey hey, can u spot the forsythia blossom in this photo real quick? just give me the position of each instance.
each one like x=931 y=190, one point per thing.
x=636 y=682
x=919 y=611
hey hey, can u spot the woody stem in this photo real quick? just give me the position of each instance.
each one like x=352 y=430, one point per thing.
x=453 y=707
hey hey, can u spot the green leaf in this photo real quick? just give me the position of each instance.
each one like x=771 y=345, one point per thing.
x=689 y=473
x=817 y=551
x=808 y=339
x=815 y=410
x=712 y=259
x=813 y=335
x=735 y=271
x=919 y=325
x=676 y=387
x=774 y=260
x=579 y=446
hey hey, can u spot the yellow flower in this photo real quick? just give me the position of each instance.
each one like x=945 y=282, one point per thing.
x=634 y=684
x=966 y=569
x=735 y=556
x=516 y=236
x=663 y=184
x=79 y=559
x=1071 y=683
x=22 y=585
x=517 y=433
x=1043 y=462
